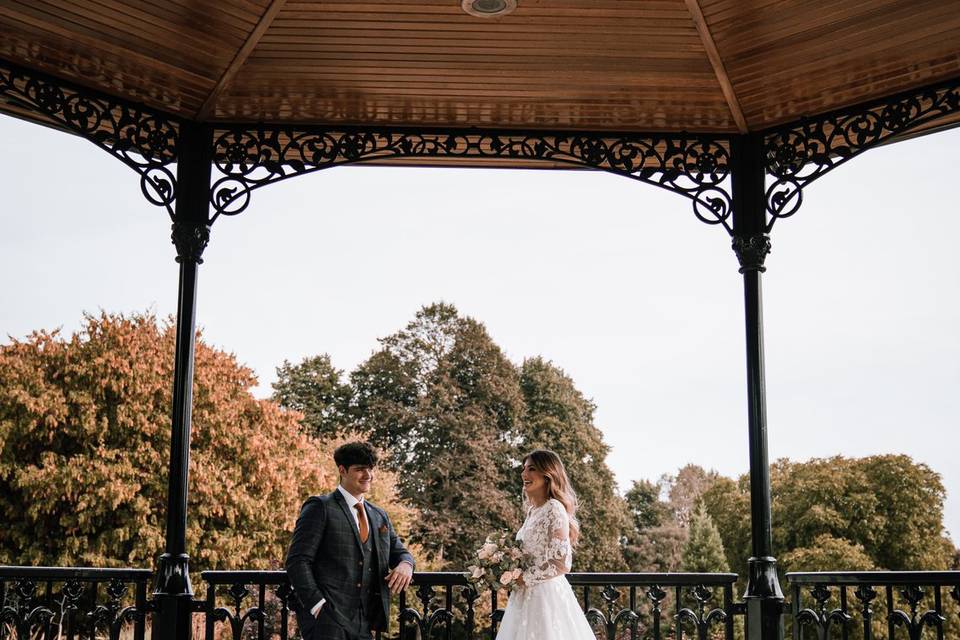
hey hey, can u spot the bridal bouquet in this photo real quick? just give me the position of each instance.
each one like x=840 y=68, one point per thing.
x=499 y=562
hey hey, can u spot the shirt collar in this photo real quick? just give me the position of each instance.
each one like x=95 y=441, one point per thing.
x=349 y=497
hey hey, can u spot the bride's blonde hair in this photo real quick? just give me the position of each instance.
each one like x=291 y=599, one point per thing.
x=558 y=485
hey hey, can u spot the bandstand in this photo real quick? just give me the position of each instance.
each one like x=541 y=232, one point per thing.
x=735 y=105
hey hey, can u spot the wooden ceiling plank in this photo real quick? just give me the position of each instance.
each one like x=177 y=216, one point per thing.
x=776 y=14
x=891 y=44
x=453 y=10
x=440 y=116
x=516 y=21
x=579 y=64
x=549 y=96
x=897 y=75
x=386 y=5
x=758 y=90
x=96 y=40
x=641 y=29
x=585 y=25
x=98 y=44
x=717 y=63
x=248 y=10
x=644 y=69
x=478 y=46
x=210 y=26
x=241 y=57
x=823 y=35
x=99 y=20
x=619 y=78
x=638 y=40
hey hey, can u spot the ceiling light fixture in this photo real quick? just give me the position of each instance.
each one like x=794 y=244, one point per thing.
x=488 y=8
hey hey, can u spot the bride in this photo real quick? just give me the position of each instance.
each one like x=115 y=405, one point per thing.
x=543 y=606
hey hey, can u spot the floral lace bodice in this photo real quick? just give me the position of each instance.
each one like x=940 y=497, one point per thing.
x=545 y=536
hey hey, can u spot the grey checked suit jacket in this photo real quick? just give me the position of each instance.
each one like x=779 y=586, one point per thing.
x=325 y=561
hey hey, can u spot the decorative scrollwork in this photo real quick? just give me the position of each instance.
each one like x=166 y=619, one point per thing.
x=109 y=615
x=820 y=617
x=27 y=616
x=143 y=140
x=915 y=621
x=702 y=619
x=614 y=619
x=425 y=623
x=797 y=155
x=238 y=618
x=695 y=167
x=70 y=606
x=656 y=596
x=72 y=592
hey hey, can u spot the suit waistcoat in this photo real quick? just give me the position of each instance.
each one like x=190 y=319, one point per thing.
x=370 y=576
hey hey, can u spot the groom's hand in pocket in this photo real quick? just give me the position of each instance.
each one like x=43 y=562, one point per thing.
x=400 y=578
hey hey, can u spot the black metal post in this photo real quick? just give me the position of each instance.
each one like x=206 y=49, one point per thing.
x=751 y=244
x=173 y=593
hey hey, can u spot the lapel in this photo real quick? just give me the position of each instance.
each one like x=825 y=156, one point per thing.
x=374 y=523
x=349 y=516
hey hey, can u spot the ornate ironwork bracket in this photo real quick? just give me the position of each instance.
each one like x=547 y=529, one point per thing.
x=144 y=140
x=798 y=154
x=695 y=167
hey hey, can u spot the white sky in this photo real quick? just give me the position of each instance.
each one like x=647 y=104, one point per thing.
x=613 y=280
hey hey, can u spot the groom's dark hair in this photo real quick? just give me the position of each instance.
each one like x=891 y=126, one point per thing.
x=353 y=453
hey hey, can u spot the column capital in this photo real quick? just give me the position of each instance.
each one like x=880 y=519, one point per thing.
x=190 y=239
x=752 y=252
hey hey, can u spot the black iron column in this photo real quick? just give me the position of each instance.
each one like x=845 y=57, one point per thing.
x=751 y=244
x=173 y=593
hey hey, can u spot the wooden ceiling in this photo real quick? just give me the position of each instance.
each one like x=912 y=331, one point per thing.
x=718 y=66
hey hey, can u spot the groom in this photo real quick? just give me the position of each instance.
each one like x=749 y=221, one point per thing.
x=345 y=558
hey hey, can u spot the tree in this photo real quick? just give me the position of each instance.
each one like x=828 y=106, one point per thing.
x=685 y=489
x=728 y=503
x=655 y=549
x=316 y=389
x=655 y=541
x=824 y=552
x=85 y=441
x=444 y=403
x=644 y=504
x=882 y=511
x=559 y=418
x=703 y=551
x=909 y=505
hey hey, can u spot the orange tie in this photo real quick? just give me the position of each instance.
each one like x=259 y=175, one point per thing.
x=362 y=519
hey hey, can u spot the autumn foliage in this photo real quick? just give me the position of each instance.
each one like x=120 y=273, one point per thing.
x=84 y=449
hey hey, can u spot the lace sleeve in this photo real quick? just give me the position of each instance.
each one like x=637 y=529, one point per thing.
x=551 y=549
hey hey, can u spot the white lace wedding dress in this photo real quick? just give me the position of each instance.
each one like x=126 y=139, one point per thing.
x=545 y=608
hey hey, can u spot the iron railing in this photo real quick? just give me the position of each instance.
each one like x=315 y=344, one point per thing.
x=66 y=603
x=248 y=605
x=867 y=605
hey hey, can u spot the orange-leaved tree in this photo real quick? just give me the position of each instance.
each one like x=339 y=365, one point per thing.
x=84 y=450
